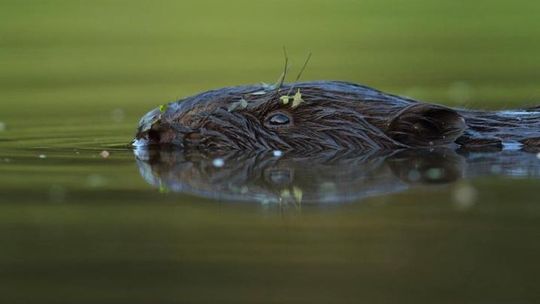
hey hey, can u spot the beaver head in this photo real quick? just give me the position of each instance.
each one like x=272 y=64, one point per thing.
x=309 y=116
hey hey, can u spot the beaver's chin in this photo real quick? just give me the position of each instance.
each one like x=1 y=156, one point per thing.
x=163 y=140
x=148 y=139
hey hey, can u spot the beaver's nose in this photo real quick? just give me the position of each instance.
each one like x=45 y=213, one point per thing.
x=147 y=133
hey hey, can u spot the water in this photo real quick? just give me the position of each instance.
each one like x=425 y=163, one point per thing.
x=85 y=226
x=84 y=219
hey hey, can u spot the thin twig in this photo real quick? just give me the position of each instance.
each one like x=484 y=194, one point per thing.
x=285 y=68
x=303 y=67
x=300 y=73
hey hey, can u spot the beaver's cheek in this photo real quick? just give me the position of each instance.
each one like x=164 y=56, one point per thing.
x=192 y=139
x=167 y=136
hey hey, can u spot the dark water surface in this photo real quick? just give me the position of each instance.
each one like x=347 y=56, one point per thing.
x=78 y=225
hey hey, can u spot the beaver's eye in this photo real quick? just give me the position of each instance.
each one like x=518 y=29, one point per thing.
x=278 y=119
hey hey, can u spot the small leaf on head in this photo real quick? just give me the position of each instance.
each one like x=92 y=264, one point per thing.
x=285 y=99
x=297 y=99
x=268 y=87
x=238 y=105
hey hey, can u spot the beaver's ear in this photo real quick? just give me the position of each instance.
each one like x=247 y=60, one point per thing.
x=422 y=125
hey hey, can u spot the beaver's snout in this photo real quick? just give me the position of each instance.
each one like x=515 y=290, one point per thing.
x=147 y=132
x=154 y=129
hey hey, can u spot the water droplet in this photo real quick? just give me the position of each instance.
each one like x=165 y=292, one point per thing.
x=435 y=173
x=244 y=190
x=464 y=196
x=277 y=153
x=218 y=162
x=104 y=154
x=42 y=156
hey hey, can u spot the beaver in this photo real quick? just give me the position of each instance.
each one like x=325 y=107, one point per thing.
x=329 y=115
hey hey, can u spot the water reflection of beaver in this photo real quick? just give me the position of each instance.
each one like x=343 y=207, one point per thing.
x=335 y=178
x=321 y=178
x=329 y=115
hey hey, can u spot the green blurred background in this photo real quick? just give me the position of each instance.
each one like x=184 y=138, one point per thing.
x=63 y=58
x=75 y=76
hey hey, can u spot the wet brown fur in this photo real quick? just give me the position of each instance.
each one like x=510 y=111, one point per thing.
x=332 y=116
